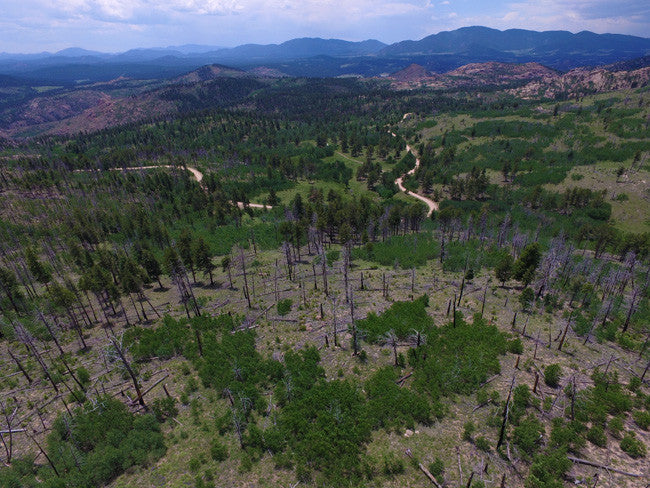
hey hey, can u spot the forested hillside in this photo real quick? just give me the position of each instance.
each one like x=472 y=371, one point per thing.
x=236 y=292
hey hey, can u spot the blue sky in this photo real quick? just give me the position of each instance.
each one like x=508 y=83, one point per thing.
x=118 y=25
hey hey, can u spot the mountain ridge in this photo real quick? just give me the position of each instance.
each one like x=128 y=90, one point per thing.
x=318 y=57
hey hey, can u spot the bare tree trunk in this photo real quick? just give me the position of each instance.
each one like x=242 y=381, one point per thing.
x=20 y=366
x=243 y=265
x=506 y=410
x=128 y=368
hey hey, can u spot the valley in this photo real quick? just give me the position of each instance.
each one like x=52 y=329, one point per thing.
x=231 y=277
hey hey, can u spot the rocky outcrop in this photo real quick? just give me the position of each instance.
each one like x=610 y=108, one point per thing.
x=583 y=81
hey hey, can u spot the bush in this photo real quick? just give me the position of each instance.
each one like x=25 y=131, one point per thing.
x=642 y=419
x=164 y=408
x=548 y=469
x=468 y=430
x=402 y=317
x=528 y=435
x=392 y=406
x=104 y=439
x=482 y=443
x=552 y=375
x=567 y=435
x=515 y=346
x=437 y=468
x=633 y=446
x=284 y=306
x=526 y=298
x=458 y=359
x=596 y=435
x=392 y=465
x=616 y=426
x=218 y=451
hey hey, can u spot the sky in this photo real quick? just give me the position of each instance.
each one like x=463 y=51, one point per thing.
x=118 y=25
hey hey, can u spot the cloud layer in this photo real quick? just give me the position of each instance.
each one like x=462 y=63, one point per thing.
x=117 y=25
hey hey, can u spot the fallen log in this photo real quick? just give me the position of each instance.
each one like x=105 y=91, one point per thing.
x=602 y=466
x=426 y=472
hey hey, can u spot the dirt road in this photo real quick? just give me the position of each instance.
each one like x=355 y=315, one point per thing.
x=198 y=176
x=429 y=203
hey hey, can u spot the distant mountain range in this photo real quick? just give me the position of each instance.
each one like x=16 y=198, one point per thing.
x=314 y=57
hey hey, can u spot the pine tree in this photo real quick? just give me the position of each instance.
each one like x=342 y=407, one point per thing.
x=202 y=257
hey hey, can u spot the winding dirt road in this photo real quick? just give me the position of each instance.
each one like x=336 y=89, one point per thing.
x=198 y=176
x=429 y=203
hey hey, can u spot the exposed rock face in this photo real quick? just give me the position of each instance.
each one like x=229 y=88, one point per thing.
x=503 y=72
x=473 y=75
x=583 y=81
x=538 y=81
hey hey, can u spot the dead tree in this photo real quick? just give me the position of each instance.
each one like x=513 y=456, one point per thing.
x=355 y=342
x=9 y=411
x=243 y=266
x=390 y=339
x=136 y=384
x=333 y=303
x=346 y=267
x=323 y=259
x=506 y=410
x=632 y=309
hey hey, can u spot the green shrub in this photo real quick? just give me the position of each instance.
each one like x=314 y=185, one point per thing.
x=616 y=426
x=437 y=468
x=552 y=375
x=392 y=465
x=482 y=443
x=164 y=408
x=596 y=435
x=567 y=435
x=392 y=406
x=101 y=441
x=468 y=430
x=402 y=317
x=218 y=451
x=284 y=306
x=642 y=419
x=194 y=464
x=515 y=346
x=633 y=446
x=528 y=435
x=412 y=250
x=458 y=358
x=548 y=469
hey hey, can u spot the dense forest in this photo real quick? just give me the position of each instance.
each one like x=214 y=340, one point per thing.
x=240 y=294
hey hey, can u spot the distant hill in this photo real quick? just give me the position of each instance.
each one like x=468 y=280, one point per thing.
x=632 y=64
x=474 y=75
x=298 y=49
x=413 y=72
x=557 y=49
x=323 y=58
x=584 y=81
x=210 y=72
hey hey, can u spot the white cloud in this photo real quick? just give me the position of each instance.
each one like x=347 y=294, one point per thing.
x=114 y=24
